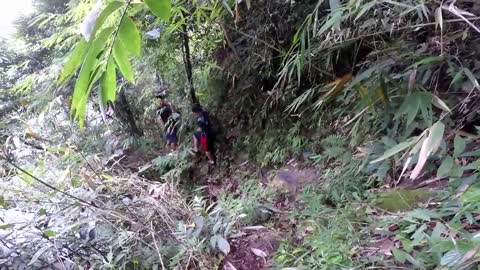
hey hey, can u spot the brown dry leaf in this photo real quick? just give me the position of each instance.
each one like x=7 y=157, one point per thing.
x=429 y=146
x=238 y=18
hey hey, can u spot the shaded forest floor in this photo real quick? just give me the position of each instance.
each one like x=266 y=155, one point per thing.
x=289 y=208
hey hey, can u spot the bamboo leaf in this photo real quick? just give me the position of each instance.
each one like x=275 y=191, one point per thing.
x=161 y=8
x=428 y=60
x=396 y=149
x=38 y=254
x=106 y=12
x=223 y=245
x=334 y=20
x=430 y=145
x=108 y=84
x=399 y=255
x=369 y=72
x=459 y=145
x=334 y=4
x=422 y=214
x=410 y=107
x=472 y=194
x=130 y=37
x=411 y=154
x=228 y=8
x=440 y=103
x=472 y=78
x=439 y=17
x=6 y=226
x=74 y=60
x=451 y=258
x=445 y=167
x=437 y=232
x=458 y=76
x=3 y=203
x=49 y=233
x=425 y=100
x=82 y=103
x=122 y=61
x=364 y=9
x=84 y=80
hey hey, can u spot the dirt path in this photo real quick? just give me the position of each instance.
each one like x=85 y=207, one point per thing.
x=253 y=247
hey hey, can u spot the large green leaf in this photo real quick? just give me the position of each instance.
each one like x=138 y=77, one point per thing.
x=130 y=37
x=121 y=58
x=74 y=60
x=109 y=9
x=84 y=80
x=161 y=8
x=108 y=84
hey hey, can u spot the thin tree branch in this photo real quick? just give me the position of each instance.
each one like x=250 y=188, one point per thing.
x=186 y=59
x=50 y=186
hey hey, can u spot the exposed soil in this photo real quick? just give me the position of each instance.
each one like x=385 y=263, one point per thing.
x=253 y=251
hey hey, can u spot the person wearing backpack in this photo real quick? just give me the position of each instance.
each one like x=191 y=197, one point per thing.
x=205 y=134
x=169 y=117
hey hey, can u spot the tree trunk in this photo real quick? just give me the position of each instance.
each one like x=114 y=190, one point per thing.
x=187 y=61
x=126 y=115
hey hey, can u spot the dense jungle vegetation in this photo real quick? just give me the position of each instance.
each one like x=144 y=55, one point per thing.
x=348 y=135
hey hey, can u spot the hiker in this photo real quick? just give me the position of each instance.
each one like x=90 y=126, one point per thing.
x=169 y=117
x=204 y=136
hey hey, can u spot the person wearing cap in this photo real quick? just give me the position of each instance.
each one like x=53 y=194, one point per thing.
x=204 y=136
x=169 y=117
